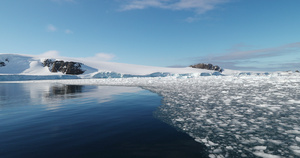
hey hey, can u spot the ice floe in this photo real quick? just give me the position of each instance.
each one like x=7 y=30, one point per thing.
x=253 y=116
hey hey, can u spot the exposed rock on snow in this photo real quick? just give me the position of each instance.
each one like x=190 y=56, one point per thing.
x=71 y=68
x=207 y=67
x=14 y=64
x=2 y=64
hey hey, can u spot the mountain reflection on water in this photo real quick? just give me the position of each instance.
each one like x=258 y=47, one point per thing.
x=40 y=93
x=51 y=94
x=64 y=90
x=56 y=120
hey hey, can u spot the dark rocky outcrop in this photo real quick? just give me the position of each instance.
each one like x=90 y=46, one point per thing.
x=2 y=64
x=70 y=68
x=297 y=71
x=207 y=67
x=48 y=63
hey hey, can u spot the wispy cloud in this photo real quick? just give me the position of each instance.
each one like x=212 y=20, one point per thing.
x=67 y=31
x=258 y=59
x=51 y=28
x=97 y=57
x=260 y=53
x=61 y=1
x=104 y=56
x=101 y=57
x=198 y=6
x=286 y=66
x=50 y=54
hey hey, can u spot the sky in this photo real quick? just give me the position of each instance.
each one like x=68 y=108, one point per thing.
x=260 y=35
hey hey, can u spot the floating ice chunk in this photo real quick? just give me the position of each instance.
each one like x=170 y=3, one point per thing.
x=215 y=156
x=263 y=105
x=293 y=132
x=179 y=119
x=294 y=101
x=229 y=148
x=259 y=140
x=296 y=152
x=212 y=143
x=265 y=155
x=260 y=148
x=217 y=151
x=276 y=142
x=293 y=147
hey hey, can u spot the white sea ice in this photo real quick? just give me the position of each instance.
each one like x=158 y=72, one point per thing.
x=265 y=155
x=234 y=116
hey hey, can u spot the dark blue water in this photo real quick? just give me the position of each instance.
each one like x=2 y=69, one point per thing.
x=44 y=120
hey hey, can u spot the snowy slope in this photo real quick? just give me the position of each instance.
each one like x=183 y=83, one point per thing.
x=14 y=64
x=32 y=65
x=26 y=67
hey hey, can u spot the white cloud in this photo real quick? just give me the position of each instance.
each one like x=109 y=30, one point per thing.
x=67 y=31
x=191 y=19
x=51 y=28
x=61 y=1
x=198 y=6
x=50 y=54
x=260 y=53
x=100 y=57
x=240 y=57
x=104 y=56
x=141 y=4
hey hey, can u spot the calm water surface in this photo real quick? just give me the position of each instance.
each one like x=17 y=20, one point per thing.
x=51 y=120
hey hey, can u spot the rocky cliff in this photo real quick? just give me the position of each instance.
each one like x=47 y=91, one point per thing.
x=66 y=67
x=207 y=66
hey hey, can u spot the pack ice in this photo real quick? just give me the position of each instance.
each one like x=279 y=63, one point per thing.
x=234 y=116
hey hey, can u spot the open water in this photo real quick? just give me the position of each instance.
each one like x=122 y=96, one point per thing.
x=56 y=120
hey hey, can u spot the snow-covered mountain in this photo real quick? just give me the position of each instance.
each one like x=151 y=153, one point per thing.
x=29 y=67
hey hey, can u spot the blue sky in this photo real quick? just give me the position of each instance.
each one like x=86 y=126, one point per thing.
x=237 y=34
